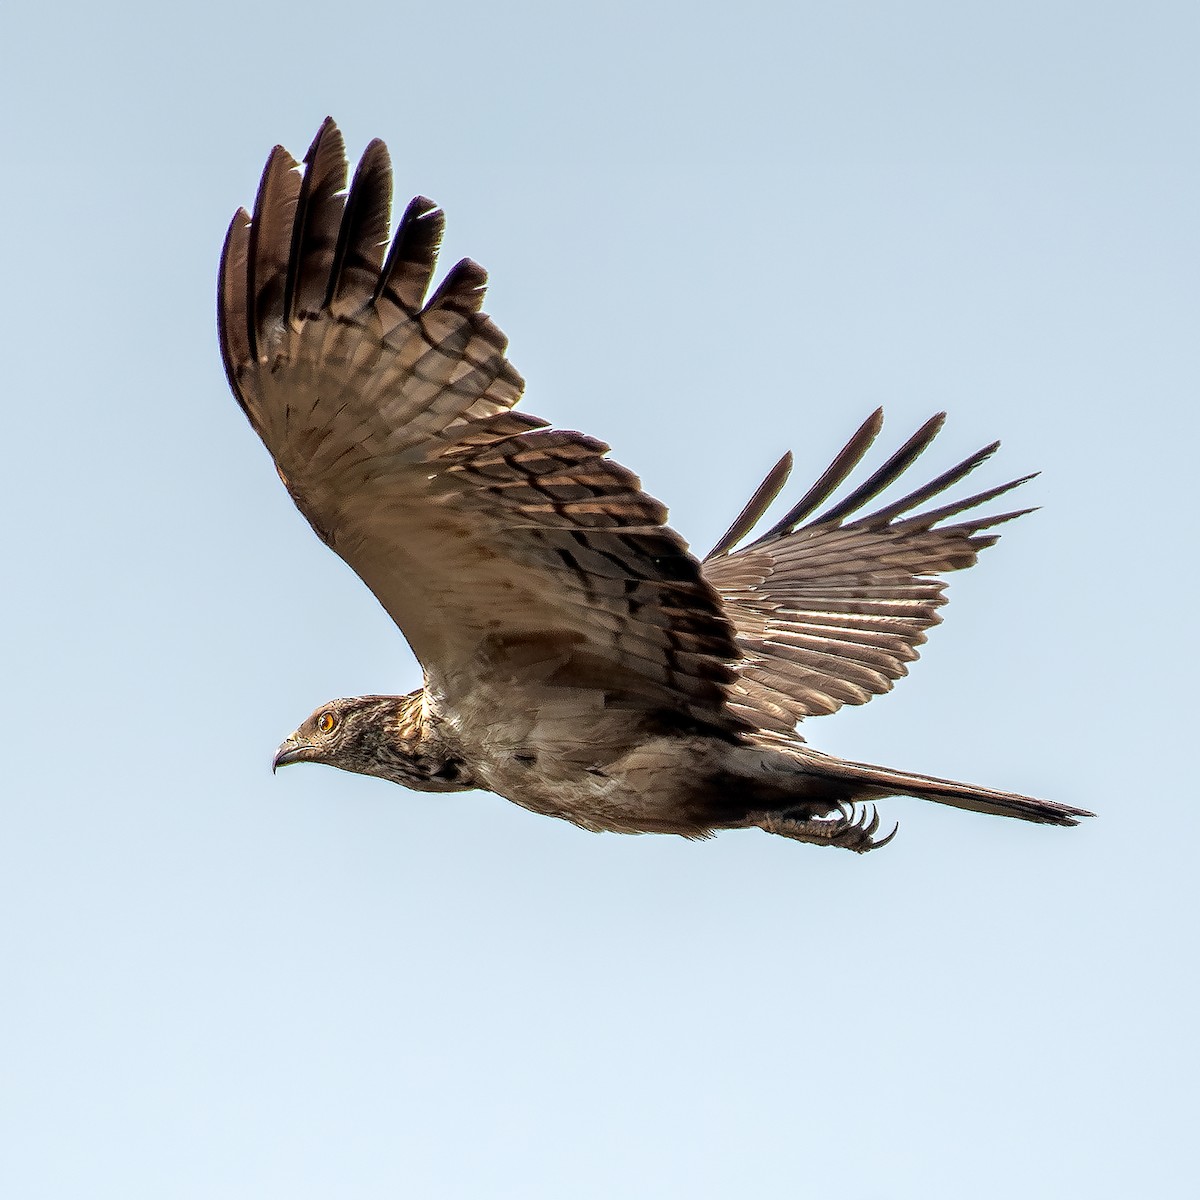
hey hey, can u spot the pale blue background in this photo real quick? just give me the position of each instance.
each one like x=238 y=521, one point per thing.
x=714 y=234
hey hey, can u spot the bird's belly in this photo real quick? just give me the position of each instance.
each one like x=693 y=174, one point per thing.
x=564 y=754
x=651 y=787
x=592 y=803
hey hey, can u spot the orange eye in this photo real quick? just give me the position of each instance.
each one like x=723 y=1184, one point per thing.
x=326 y=721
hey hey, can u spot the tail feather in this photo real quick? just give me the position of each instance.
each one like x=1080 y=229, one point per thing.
x=874 y=783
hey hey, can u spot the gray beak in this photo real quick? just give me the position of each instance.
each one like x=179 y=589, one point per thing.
x=290 y=752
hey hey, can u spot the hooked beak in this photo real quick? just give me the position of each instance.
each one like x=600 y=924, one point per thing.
x=290 y=752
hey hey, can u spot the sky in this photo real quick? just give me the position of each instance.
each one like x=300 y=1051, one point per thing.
x=714 y=234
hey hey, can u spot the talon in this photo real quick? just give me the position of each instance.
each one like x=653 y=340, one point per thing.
x=884 y=841
x=853 y=828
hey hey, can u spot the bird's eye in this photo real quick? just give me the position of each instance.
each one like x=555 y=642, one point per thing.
x=326 y=721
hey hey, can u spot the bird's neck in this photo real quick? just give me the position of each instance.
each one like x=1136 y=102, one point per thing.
x=416 y=751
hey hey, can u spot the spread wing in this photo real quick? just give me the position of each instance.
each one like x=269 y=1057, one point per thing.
x=830 y=612
x=495 y=543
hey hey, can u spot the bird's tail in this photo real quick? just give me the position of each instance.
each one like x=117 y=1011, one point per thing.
x=864 y=782
x=834 y=804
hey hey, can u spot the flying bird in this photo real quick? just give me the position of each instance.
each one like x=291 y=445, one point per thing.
x=577 y=658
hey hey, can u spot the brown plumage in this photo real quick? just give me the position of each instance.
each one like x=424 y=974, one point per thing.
x=578 y=659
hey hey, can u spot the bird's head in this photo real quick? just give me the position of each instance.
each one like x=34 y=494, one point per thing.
x=384 y=736
x=349 y=734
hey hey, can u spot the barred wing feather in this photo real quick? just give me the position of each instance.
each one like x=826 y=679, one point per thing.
x=490 y=539
x=831 y=608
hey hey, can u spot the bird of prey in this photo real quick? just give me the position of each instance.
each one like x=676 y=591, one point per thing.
x=577 y=658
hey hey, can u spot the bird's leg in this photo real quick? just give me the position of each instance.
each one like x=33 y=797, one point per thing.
x=850 y=828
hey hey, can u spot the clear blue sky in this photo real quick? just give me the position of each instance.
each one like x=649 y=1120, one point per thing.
x=714 y=233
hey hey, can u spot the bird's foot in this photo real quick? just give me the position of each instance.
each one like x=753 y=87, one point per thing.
x=851 y=828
